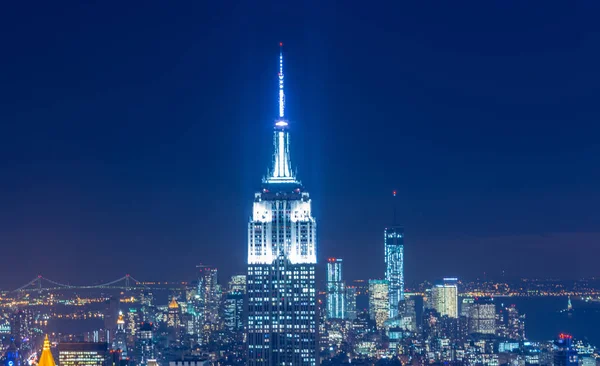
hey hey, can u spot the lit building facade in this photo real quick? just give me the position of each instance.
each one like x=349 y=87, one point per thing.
x=350 y=303
x=234 y=311
x=564 y=352
x=206 y=303
x=407 y=314
x=379 y=302
x=281 y=288
x=394 y=266
x=237 y=283
x=336 y=302
x=82 y=354
x=145 y=343
x=174 y=320
x=482 y=316
x=132 y=326
x=445 y=298
x=120 y=341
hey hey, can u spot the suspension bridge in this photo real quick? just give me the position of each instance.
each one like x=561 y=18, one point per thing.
x=41 y=283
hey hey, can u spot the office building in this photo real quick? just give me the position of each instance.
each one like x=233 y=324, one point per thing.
x=21 y=325
x=482 y=316
x=110 y=318
x=564 y=352
x=190 y=362
x=82 y=354
x=145 y=343
x=444 y=298
x=132 y=325
x=206 y=304
x=379 y=303
x=282 y=310
x=350 y=302
x=174 y=323
x=465 y=306
x=394 y=266
x=335 y=289
x=407 y=314
x=234 y=311
x=120 y=339
x=237 y=283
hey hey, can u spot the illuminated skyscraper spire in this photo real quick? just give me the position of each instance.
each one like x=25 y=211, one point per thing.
x=46 y=358
x=282 y=258
x=282 y=170
x=281 y=93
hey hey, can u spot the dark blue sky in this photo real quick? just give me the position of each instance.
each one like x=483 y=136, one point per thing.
x=133 y=135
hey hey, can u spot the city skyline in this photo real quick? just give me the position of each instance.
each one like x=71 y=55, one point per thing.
x=429 y=190
x=486 y=136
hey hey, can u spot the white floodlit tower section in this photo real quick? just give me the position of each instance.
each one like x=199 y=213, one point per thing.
x=282 y=256
x=282 y=169
x=282 y=222
x=281 y=92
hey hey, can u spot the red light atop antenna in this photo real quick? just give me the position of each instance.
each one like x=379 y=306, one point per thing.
x=280 y=44
x=394 y=192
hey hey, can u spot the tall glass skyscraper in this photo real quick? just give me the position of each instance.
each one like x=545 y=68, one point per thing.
x=394 y=266
x=282 y=255
x=336 y=301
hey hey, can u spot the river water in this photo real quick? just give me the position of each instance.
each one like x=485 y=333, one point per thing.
x=544 y=321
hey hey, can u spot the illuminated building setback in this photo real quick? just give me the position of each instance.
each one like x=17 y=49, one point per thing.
x=281 y=287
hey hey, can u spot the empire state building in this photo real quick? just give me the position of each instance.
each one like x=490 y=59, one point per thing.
x=282 y=255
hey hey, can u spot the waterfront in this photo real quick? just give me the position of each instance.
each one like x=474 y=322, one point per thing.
x=545 y=319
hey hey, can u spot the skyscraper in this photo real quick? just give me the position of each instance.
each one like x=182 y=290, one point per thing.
x=336 y=302
x=564 y=352
x=445 y=298
x=234 y=311
x=206 y=303
x=379 y=303
x=482 y=316
x=120 y=342
x=394 y=266
x=174 y=320
x=350 y=303
x=281 y=288
x=145 y=343
x=235 y=304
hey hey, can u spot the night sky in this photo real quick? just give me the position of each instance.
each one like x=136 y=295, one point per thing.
x=134 y=134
